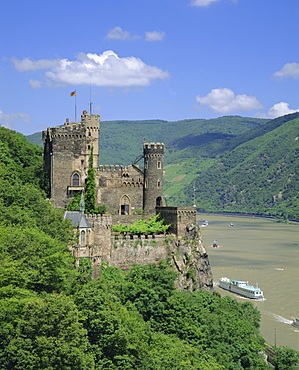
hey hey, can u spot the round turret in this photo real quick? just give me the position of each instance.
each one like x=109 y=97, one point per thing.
x=153 y=176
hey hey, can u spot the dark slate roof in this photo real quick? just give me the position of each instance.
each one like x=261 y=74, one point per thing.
x=77 y=219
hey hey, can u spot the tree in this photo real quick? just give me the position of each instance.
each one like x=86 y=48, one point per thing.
x=90 y=187
x=47 y=335
x=154 y=225
x=286 y=359
x=33 y=260
x=74 y=204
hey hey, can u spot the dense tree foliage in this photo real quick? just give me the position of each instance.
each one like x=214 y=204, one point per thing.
x=154 y=225
x=90 y=186
x=53 y=317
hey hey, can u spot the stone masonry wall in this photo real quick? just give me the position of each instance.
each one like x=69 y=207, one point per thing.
x=129 y=250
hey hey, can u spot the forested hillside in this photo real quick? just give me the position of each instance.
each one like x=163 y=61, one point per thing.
x=54 y=317
x=258 y=173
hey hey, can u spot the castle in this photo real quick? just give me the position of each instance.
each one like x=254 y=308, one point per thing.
x=126 y=191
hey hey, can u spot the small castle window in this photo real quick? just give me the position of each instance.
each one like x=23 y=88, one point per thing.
x=82 y=238
x=88 y=147
x=82 y=162
x=159 y=164
x=75 y=179
x=89 y=133
x=159 y=183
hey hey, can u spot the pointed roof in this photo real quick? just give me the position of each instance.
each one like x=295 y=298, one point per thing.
x=77 y=219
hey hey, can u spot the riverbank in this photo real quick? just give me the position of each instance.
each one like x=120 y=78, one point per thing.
x=248 y=215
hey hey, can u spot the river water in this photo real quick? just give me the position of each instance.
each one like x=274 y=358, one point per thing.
x=264 y=252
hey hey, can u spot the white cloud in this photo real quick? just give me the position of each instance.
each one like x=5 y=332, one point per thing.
x=154 y=36
x=28 y=64
x=11 y=119
x=278 y=110
x=225 y=101
x=202 y=2
x=290 y=70
x=106 y=69
x=117 y=33
x=35 y=84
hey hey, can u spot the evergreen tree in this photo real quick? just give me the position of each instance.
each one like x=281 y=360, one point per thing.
x=90 y=187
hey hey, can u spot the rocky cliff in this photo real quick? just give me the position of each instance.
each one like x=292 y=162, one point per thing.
x=191 y=260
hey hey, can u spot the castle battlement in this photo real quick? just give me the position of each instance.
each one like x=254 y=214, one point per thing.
x=103 y=220
x=153 y=145
x=153 y=149
x=112 y=167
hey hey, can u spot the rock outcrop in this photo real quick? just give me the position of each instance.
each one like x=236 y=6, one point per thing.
x=191 y=261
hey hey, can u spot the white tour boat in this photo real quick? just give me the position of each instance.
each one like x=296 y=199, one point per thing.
x=241 y=287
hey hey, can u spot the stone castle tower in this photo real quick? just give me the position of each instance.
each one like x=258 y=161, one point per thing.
x=124 y=190
x=153 y=175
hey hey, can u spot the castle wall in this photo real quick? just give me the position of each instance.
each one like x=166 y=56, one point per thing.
x=177 y=218
x=129 y=250
x=120 y=188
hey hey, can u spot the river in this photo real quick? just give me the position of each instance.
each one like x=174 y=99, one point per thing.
x=264 y=252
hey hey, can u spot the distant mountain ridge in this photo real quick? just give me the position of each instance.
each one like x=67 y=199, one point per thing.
x=121 y=141
x=257 y=172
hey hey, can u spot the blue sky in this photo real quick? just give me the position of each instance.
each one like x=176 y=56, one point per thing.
x=146 y=59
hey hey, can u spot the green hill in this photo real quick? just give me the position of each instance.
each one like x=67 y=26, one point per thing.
x=258 y=175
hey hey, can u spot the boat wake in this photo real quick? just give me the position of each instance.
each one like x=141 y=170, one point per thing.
x=281 y=319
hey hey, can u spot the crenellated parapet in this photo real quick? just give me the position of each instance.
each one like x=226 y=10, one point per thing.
x=88 y=126
x=153 y=150
x=178 y=218
x=112 y=168
x=101 y=220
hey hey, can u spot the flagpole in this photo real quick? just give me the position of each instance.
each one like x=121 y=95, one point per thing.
x=90 y=103
x=74 y=93
x=76 y=106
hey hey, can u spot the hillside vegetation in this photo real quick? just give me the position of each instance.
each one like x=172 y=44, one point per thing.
x=257 y=172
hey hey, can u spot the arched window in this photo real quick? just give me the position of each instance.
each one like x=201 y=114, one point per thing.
x=159 y=201
x=125 y=205
x=75 y=179
x=159 y=165
x=82 y=238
